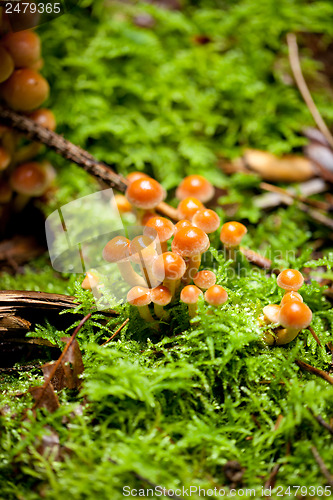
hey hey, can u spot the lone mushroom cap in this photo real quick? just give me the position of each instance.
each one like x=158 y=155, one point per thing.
x=161 y=295
x=291 y=296
x=117 y=249
x=164 y=228
x=188 y=207
x=204 y=279
x=145 y=193
x=190 y=241
x=295 y=314
x=207 y=220
x=195 y=185
x=29 y=179
x=190 y=294
x=290 y=279
x=139 y=296
x=232 y=233
x=169 y=266
x=216 y=295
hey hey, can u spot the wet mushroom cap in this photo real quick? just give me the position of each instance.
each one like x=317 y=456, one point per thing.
x=207 y=220
x=169 y=265
x=216 y=295
x=232 y=233
x=164 y=228
x=272 y=313
x=295 y=314
x=44 y=117
x=188 y=207
x=29 y=179
x=290 y=279
x=134 y=176
x=190 y=294
x=145 y=193
x=90 y=281
x=291 y=296
x=204 y=279
x=143 y=248
x=161 y=295
x=197 y=186
x=182 y=223
x=190 y=241
x=24 y=47
x=117 y=249
x=139 y=296
x=121 y=202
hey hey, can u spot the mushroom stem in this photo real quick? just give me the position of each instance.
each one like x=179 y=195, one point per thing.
x=173 y=285
x=20 y=201
x=27 y=152
x=286 y=335
x=145 y=313
x=192 y=310
x=193 y=264
x=160 y=312
x=164 y=246
x=129 y=275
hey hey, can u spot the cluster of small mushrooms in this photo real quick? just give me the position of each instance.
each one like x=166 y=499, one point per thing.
x=173 y=274
x=24 y=89
x=286 y=320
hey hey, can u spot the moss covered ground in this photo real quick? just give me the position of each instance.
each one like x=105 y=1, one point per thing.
x=176 y=408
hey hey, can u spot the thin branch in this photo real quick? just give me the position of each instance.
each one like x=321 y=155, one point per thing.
x=321 y=205
x=303 y=88
x=116 y=332
x=57 y=363
x=315 y=371
x=322 y=466
x=315 y=336
x=71 y=152
x=322 y=422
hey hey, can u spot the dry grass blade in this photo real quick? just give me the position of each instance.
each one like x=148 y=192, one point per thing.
x=311 y=369
x=303 y=88
x=322 y=466
x=315 y=336
x=322 y=422
x=116 y=332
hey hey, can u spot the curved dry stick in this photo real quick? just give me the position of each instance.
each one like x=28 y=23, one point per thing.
x=303 y=88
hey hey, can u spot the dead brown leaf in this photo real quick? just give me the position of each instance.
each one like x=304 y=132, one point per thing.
x=45 y=397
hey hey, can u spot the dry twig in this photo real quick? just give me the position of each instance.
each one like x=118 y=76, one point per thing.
x=322 y=466
x=116 y=332
x=315 y=371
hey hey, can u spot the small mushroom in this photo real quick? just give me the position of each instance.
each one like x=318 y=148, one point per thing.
x=121 y=202
x=190 y=243
x=6 y=64
x=182 y=223
x=216 y=295
x=134 y=176
x=204 y=279
x=5 y=158
x=190 y=295
x=231 y=236
x=140 y=297
x=169 y=268
x=294 y=316
x=164 y=229
x=90 y=281
x=291 y=296
x=290 y=280
x=145 y=194
x=117 y=251
x=28 y=180
x=188 y=207
x=207 y=220
x=197 y=186
x=143 y=252
x=44 y=117
x=161 y=296
x=24 y=47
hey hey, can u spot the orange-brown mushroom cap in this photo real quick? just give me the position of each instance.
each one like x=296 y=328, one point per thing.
x=160 y=225
x=134 y=176
x=161 y=295
x=272 y=313
x=204 y=279
x=232 y=233
x=29 y=179
x=143 y=248
x=139 y=296
x=44 y=117
x=190 y=294
x=295 y=314
x=290 y=279
x=117 y=249
x=188 y=207
x=190 y=241
x=182 y=223
x=207 y=220
x=197 y=186
x=145 y=193
x=216 y=295
x=291 y=296
x=122 y=203
x=169 y=266
x=90 y=281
